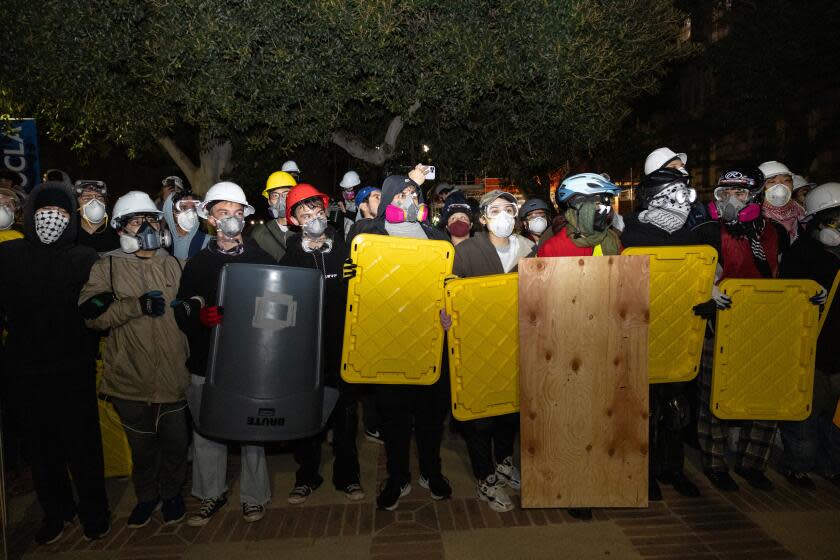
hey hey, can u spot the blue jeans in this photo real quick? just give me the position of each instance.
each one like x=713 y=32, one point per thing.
x=814 y=443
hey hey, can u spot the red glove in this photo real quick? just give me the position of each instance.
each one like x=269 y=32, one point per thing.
x=211 y=315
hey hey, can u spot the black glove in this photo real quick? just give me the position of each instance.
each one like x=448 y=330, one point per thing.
x=97 y=305
x=184 y=309
x=153 y=304
x=706 y=310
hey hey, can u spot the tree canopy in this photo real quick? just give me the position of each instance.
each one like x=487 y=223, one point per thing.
x=507 y=87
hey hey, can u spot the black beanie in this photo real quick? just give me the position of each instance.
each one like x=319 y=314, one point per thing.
x=52 y=196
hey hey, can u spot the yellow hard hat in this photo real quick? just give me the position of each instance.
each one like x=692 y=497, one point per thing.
x=278 y=180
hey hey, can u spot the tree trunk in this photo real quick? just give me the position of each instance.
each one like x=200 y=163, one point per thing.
x=215 y=159
x=377 y=155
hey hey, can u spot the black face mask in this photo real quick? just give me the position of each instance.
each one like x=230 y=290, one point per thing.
x=151 y=239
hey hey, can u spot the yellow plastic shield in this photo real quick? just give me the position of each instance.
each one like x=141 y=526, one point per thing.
x=765 y=347
x=680 y=278
x=392 y=331
x=484 y=345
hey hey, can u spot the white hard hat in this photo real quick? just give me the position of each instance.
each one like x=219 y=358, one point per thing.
x=660 y=157
x=227 y=192
x=822 y=197
x=773 y=169
x=799 y=181
x=290 y=167
x=133 y=202
x=350 y=180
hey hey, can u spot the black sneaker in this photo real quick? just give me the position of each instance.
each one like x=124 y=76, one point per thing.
x=721 y=480
x=207 y=510
x=584 y=514
x=438 y=486
x=681 y=483
x=51 y=531
x=800 y=480
x=389 y=496
x=98 y=529
x=354 y=492
x=173 y=510
x=756 y=478
x=252 y=512
x=142 y=513
x=301 y=492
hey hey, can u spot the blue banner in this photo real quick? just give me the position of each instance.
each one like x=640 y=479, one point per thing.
x=19 y=151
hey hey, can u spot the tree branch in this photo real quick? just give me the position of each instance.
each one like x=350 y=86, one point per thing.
x=178 y=156
x=358 y=148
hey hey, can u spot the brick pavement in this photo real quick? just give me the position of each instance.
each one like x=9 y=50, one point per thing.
x=715 y=526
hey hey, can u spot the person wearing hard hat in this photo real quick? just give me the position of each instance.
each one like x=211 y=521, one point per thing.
x=225 y=209
x=777 y=205
x=272 y=235
x=666 y=198
x=814 y=444
x=320 y=246
x=801 y=188
x=49 y=365
x=292 y=169
x=665 y=157
x=92 y=196
x=145 y=376
x=348 y=183
x=748 y=246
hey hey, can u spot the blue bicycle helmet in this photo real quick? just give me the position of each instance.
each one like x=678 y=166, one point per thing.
x=585 y=184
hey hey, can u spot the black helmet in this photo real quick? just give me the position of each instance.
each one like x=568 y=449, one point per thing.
x=743 y=177
x=530 y=205
x=659 y=180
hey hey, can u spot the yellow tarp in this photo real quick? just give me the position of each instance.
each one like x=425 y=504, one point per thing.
x=484 y=345
x=765 y=347
x=392 y=331
x=680 y=278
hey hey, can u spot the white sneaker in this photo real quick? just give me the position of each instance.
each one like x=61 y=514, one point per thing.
x=492 y=491
x=508 y=473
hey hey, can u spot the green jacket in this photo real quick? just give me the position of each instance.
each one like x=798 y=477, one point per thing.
x=144 y=357
x=271 y=238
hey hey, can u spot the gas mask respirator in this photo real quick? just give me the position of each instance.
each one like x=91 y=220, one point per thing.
x=147 y=238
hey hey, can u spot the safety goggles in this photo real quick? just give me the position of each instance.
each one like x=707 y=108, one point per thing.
x=186 y=204
x=493 y=211
x=724 y=193
x=97 y=187
x=136 y=220
x=277 y=194
x=677 y=193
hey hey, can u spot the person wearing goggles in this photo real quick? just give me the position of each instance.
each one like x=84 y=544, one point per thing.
x=181 y=214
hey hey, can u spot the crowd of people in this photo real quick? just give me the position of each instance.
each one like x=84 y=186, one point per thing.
x=145 y=277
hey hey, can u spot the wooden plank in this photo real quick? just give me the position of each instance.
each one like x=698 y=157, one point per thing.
x=583 y=326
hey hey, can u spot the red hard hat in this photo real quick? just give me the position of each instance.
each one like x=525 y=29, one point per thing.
x=301 y=192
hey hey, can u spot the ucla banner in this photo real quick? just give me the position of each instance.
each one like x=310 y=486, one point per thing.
x=19 y=151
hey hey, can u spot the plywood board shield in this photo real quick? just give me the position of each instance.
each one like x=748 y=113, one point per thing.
x=583 y=329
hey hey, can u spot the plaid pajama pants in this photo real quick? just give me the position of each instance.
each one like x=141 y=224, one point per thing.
x=755 y=441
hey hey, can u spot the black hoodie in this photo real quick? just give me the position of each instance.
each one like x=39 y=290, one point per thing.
x=39 y=294
x=392 y=186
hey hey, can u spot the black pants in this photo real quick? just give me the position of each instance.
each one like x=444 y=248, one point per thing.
x=489 y=441
x=158 y=437
x=371 y=418
x=421 y=407
x=61 y=423
x=13 y=441
x=669 y=413
x=344 y=422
